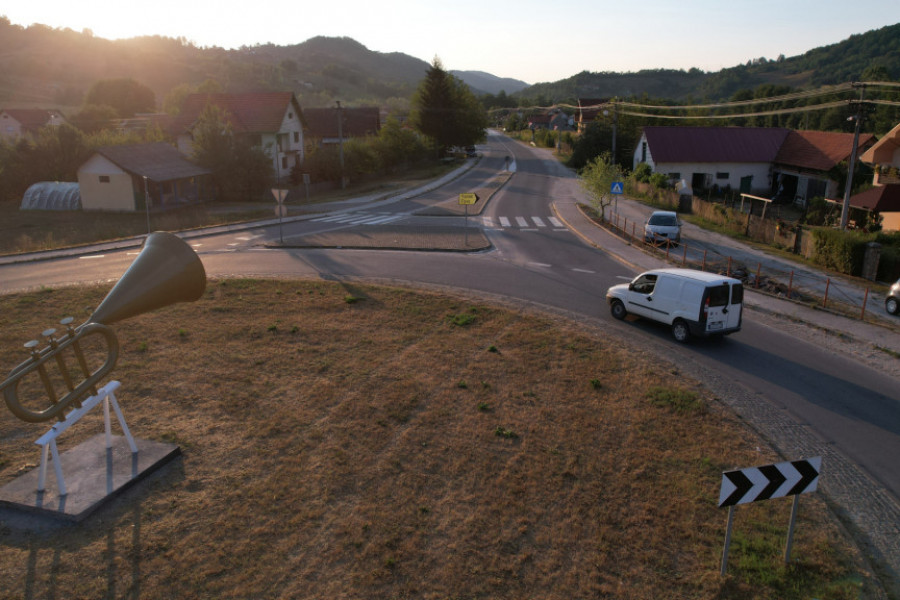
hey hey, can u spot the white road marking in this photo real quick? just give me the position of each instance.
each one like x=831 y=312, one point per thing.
x=521 y=221
x=589 y=272
x=557 y=223
x=504 y=222
x=538 y=221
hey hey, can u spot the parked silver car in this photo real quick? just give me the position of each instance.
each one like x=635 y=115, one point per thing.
x=892 y=302
x=662 y=227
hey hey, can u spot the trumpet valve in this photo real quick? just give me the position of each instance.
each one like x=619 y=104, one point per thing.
x=31 y=346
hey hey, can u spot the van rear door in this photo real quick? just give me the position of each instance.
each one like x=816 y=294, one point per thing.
x=716 y=307
x=733 y=316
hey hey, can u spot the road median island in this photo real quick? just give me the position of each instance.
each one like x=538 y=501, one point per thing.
x=452 y=207
x=395 y=237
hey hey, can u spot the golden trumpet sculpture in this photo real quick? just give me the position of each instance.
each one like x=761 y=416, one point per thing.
x=165 y=272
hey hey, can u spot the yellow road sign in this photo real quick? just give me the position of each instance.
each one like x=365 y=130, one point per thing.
x=468 y=198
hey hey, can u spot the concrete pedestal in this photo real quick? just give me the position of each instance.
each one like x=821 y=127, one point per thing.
x=93 y=474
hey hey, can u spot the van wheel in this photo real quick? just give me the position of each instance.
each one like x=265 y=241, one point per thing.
x=617 y=309
x=680 y=330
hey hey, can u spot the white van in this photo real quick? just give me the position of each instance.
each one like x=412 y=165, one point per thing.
x=691 y=302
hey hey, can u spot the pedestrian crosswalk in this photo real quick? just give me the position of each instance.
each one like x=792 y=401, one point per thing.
x=360 y=218
x=530 y=223
x=533 y=223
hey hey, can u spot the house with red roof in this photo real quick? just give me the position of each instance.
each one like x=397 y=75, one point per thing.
x=773 y=162
x=884 y=197
x=16 y=123
x=589 y=110
x=331 y=125
x=734 y=158
x=805 y=160
x=272 y=121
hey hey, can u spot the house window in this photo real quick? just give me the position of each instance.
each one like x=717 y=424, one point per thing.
x=290 y=115
x=720 y=175
x=644 y=152
x=284 y=163
x=104 y=179
x=296 y=137
x=674 y=175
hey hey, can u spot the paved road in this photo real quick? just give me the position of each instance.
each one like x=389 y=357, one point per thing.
x=808 y=399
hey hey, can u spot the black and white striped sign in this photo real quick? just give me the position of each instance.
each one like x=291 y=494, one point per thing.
x=770 y=481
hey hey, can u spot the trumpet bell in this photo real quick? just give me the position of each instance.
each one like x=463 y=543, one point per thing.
x=165 y=272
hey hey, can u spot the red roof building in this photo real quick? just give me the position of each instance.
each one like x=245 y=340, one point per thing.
x=773 y=162
x=21 y=122
x=322 y=123
x=271 y=120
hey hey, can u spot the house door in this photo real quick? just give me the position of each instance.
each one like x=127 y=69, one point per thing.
x=746 y=184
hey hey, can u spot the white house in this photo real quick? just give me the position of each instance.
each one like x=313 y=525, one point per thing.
x=775 y=162
x=737 y=158
x=123 y=178
x=22 y=122
x=270 y=120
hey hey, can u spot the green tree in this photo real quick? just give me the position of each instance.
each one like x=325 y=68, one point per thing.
x=94 y=117
x=125 y=95
x=240 y=171
x=598 y=177
x=445 y=110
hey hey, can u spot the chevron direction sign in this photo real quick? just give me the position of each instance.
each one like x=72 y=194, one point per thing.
x=771 y=481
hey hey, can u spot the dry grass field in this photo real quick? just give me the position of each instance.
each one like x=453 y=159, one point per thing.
x=372 y=442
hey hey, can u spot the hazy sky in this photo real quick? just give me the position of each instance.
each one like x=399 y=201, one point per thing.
x=528 y=40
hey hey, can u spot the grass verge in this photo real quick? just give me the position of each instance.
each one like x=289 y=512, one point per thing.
x=330 y=450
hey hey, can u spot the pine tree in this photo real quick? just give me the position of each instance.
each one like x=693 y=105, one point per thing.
x=445 y=110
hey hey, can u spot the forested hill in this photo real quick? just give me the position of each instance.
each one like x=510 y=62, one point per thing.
x=55 y=68
x=874 y=55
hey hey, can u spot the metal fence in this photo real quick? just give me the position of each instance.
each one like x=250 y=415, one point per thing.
x=769 y=275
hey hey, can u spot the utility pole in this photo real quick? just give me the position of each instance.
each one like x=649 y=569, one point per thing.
x=340 y=124
x=845 y=210
x=615 y=122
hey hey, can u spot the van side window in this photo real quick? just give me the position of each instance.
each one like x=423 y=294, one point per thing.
x=645 y=284
x=737 y=293
x=718 y=296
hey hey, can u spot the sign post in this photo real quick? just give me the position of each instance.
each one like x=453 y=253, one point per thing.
x=280 y=210
x=769 y=481
x=466 y=200
x=616 y=188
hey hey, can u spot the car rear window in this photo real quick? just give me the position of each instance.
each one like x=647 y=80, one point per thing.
x=663 y=220
x=737 y=293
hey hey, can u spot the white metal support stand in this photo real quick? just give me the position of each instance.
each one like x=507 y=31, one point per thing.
x=106 y=394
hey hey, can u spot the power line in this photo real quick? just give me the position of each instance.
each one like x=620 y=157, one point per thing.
x=622 y=106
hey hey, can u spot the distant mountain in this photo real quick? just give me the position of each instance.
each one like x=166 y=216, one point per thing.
x=876 y=52
x=43 y=67
x=55 y=68
x=486 y=83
